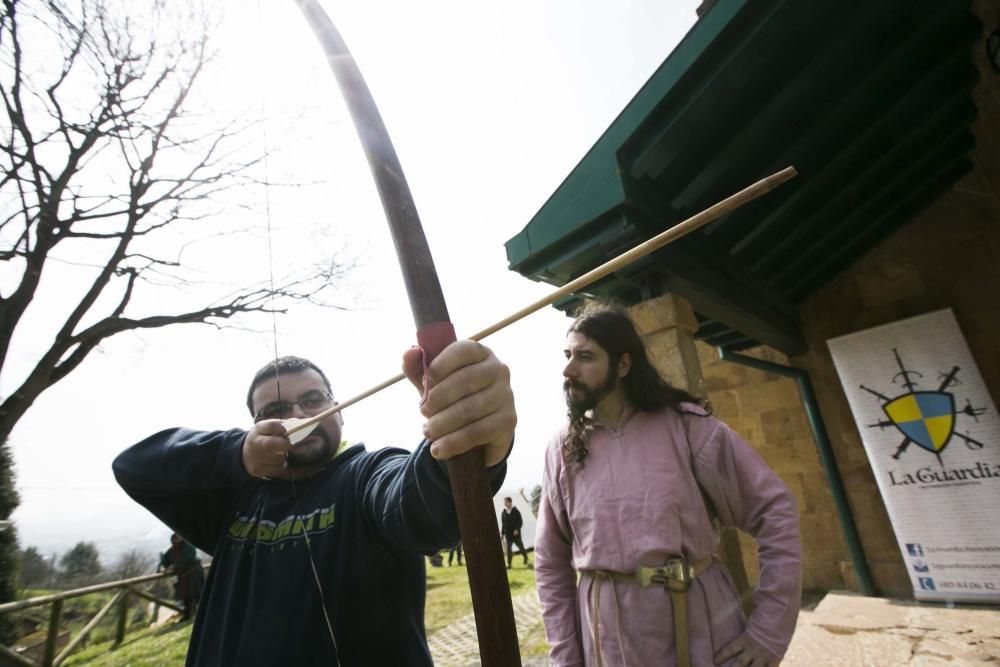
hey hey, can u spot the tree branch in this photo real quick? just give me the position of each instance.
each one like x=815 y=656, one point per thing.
x=96 y=183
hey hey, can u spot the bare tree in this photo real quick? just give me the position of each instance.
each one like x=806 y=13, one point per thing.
x=133 y=563
x=104 y=163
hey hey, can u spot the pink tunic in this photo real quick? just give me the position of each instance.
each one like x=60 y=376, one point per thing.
x=636 y=501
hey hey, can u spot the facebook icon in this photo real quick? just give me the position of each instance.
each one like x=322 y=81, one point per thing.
x=914 y=550
x=926 y=583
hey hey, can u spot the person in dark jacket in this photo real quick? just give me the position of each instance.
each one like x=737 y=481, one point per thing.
x=318 y=547
x=510 y=526
x=182 y=559
x=456 y=550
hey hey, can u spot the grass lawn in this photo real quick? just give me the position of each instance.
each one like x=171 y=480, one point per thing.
x=448 y=600
x=164 y=646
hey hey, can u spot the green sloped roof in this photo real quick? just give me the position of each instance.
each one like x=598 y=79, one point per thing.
x=595 y=186
x=869 y=101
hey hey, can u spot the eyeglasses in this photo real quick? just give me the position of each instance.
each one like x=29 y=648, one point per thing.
x=311 y=403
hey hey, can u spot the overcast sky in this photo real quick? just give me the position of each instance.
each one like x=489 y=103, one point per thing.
x=489 y=105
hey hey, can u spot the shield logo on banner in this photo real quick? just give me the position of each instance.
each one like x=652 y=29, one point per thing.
x=925 y=417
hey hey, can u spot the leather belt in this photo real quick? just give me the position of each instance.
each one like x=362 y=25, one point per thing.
x=676 y=575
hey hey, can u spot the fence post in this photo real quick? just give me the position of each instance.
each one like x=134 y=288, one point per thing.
x=122 y=618
x=50 y=641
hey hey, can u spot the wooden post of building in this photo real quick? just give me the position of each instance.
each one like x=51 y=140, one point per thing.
x=55 y=618
x=667 y=325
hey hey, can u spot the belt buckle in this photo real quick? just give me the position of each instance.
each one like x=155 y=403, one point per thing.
x=675 y=575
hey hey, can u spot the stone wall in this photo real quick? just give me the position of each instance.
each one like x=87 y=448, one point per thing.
x=766 y=409
x=947 y=257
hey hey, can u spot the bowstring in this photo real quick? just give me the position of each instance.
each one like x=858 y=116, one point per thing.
x=274 y=337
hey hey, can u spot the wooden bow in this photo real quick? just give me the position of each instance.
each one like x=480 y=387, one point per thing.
x=491 y=601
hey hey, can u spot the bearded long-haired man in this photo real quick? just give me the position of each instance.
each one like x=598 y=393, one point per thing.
x=635 y=487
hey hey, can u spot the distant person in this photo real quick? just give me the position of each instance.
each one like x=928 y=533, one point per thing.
x=511 y=523
x=182 y=560
x=455 y=550
x=318 y=549
x=625 y=536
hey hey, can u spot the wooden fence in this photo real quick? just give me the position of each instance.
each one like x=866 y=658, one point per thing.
x=125 y=588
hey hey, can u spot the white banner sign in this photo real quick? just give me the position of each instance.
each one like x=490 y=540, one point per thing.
x=932 y=435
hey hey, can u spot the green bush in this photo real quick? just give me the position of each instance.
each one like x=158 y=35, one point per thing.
x=9 y=501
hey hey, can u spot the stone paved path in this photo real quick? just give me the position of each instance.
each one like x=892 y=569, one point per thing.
x=457 y=646
x=847 y=629
x=844 y=629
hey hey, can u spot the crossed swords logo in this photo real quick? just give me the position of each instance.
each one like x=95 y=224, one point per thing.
x=926 y=418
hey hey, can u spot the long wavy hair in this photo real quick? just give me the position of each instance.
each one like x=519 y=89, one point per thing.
x=608 y=324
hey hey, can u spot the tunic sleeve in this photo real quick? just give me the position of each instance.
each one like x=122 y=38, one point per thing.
x=554 y=574
x=749 y=495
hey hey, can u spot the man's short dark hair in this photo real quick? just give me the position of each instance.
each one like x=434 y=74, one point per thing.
x=283 y=366
x=506 y=498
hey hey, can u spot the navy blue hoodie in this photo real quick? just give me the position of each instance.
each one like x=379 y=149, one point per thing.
x=369 y=518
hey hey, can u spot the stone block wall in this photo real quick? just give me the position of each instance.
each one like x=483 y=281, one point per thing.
x=766 y=409
x=667 y=325
x=947 y=257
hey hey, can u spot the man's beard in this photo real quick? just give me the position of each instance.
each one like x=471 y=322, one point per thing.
x=588 y=398
x=314 y=451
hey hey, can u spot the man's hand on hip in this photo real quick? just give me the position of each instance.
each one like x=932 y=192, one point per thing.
x=746 y=652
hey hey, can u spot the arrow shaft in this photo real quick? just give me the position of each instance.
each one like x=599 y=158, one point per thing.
x=698 y=221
